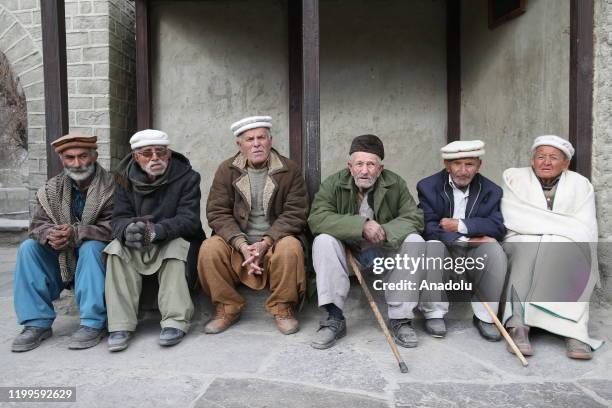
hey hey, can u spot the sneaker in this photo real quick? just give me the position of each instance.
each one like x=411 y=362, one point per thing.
x=85 y=337
x=119 y=340
x=403 y=333
x=578 y=350
x=435 y=327
x=221 y=321
x=170 y=336
x=329 y=332
x=286 y=323
x=30 y=338
x=487 y=330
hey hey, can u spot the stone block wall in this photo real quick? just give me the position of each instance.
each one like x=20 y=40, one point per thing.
x=21 y=44
x=122 y=76
x=100 y=52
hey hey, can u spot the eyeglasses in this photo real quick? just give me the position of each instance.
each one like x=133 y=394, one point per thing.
x=148 y=154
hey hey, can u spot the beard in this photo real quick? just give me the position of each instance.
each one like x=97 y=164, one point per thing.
x=80 y=173
x=365 y=183
x=157 y=172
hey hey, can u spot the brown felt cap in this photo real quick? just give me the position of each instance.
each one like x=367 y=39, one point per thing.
x=74 y=140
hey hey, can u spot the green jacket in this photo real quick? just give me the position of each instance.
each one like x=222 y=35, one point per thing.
x=334 y=209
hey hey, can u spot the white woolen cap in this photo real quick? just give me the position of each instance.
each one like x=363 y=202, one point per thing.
x=554 y=141
x=252 y=122
x=149 y=137
x=461 y=149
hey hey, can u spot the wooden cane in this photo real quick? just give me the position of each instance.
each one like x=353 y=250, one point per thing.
x=402 y=365
x=503 y=331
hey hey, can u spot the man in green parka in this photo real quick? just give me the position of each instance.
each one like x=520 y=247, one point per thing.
x=369 y=211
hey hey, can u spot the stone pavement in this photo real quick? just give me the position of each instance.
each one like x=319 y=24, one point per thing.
x=252 y=365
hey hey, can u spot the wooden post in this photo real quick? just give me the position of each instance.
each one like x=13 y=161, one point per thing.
x=310 y=96
x=453 y=70
x=143 y=66
x=54 y=69
x=581 y=84
x=295 y=80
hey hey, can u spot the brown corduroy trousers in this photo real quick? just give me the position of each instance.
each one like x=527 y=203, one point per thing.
x=220 y=270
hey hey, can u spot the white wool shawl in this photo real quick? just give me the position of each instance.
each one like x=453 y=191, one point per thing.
x=525 y=210
x=572 y=219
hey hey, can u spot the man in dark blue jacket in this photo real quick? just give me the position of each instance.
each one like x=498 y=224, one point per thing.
x=463 y=224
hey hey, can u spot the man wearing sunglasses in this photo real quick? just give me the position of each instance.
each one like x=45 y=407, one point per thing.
x=156 y=229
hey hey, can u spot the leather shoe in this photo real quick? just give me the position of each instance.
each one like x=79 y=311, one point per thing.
x=487 y=330
x=435 y=327
x=578 y=350
x=221 y=321
x=170 y=336
x=286 y=323
x=403 y=333
x=85 y=337
x=520 y=336
x=119 y=340
x=329 y=332
x=30 y=338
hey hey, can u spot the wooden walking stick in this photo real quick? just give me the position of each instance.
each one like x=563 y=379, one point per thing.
x=402 y=365
x=503 y=331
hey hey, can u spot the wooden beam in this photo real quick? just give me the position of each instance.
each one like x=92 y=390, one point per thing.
x=499 y=12
x=311 y=143
x=54 y=70
x=296 y=80
x=581 y=84
x=143 y=66
x=453 y=70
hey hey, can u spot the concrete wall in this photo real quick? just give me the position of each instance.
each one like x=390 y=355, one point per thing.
x=602 y=136
x=515 y=80
x=383 y=71
x=214 y=63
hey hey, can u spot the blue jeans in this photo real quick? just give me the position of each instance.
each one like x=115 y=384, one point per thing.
x=38 y=282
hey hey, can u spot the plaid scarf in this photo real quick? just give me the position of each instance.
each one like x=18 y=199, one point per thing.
x=55 y=198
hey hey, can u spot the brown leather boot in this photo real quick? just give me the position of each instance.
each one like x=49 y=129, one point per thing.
x=578 y=350
x=220 y=321
x=520 y=335
x=286 y=323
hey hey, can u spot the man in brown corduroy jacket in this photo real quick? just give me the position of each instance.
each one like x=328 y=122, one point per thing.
x=257 y=208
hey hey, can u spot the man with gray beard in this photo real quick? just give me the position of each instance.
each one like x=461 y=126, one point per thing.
x=156 y=230
x=69 y=229
x=367 y=210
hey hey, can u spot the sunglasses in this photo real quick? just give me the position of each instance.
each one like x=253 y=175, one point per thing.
x=148 y=154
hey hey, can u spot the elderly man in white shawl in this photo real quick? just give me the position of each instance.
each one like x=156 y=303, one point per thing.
x=549 y=212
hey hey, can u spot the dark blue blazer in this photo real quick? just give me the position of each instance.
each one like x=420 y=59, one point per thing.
x=483 y=215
